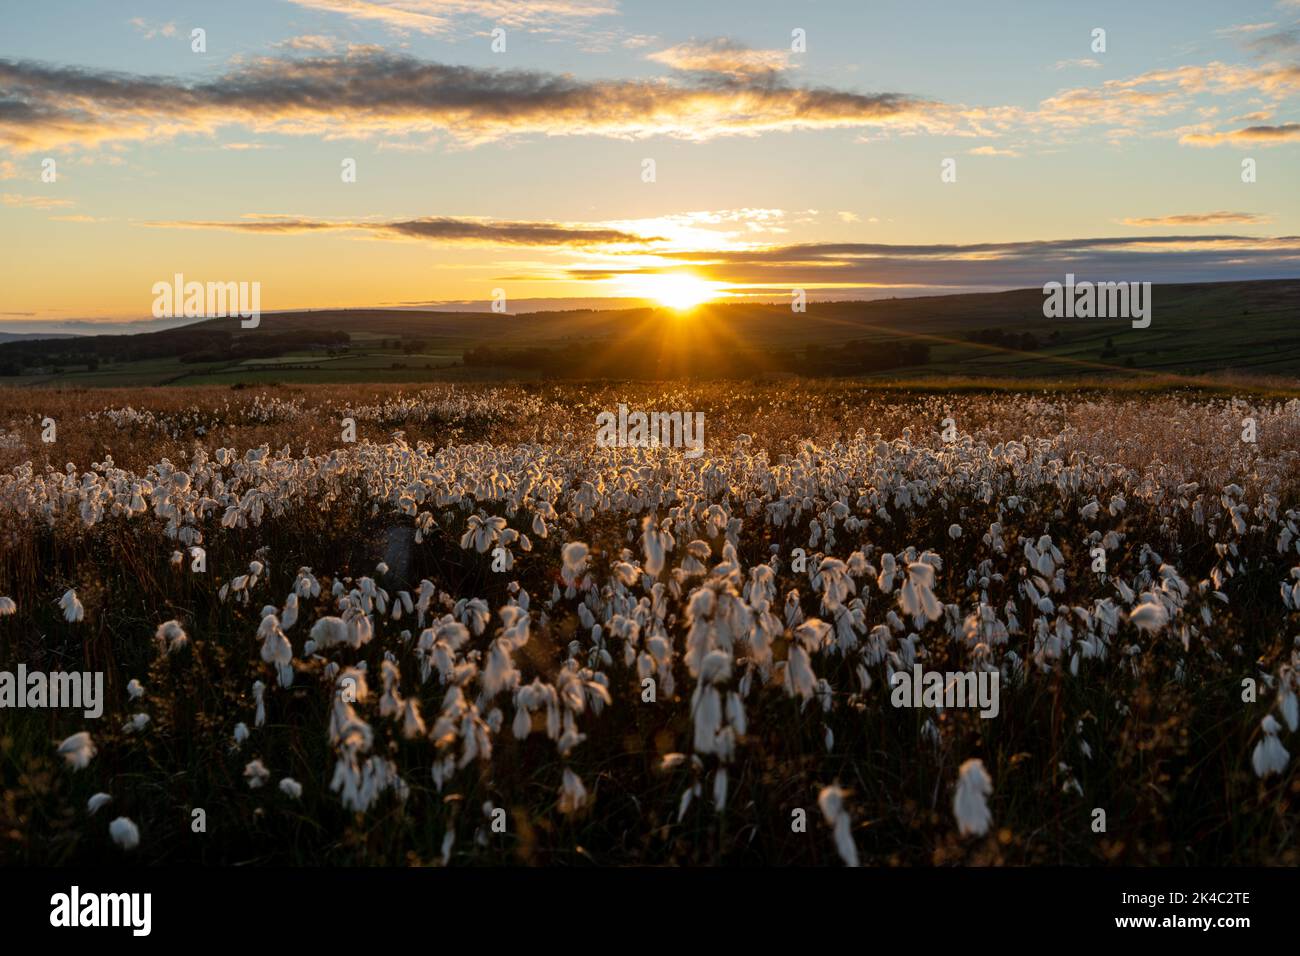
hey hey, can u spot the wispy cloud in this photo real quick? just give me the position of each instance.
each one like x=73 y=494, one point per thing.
x=370 y=92
x=308 y=42
x=1244 y=29
x=439 y=16
x=34 y=202
x=440 y=229
x=1250 y=135
x=722 y=57
x=1084 y=63
x=718 y=88
x=153 y=31
x=1219 y=218
x=1280 y=42
x=1133 y=101
x=1172 y=258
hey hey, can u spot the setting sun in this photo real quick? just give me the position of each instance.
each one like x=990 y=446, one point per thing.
x=680 y=290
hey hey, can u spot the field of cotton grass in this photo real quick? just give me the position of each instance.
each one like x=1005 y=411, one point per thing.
x=437 y=645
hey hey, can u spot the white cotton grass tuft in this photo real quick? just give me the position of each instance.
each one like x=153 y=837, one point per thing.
x=96 y=802
x=1149 y=615
x=573 y=795
x=721 y=785
x=917 y=597
x=831 y=802
x=575 y=555
x=124 y=833
x=671 y=761
x=72 y=609
x=137 y=723
x=134 y=689
x=256 y=774
x=412 y=723
x=969 y=804
x=291 y=788
x=1270 y=756
x=7 y=606
x=259 y=698
x=170 y=637
x=78 y=750
x=653 y=542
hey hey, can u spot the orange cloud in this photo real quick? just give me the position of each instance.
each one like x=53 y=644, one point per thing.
x=723 y=57
x=1219 y=218
x=1250 y=135
x=34 y=202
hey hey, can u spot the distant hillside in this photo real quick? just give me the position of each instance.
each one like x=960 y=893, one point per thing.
x=32 y=336
x=1196 y=329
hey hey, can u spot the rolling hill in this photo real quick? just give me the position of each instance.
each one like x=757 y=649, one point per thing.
x=1247 y=328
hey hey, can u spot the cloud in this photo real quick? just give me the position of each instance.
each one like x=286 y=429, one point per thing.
x=1220 y=218
x=1250 y=135
x=1244 y=28
x=150 y=32
x=8 y=170
x=992 y=151
x=1127 y=106
x=369 y=92
x=34 y=202
x=1086 y=63
x=1132 y=102
x=308 y=42
x=1113 y=103
x=1177 y=258
x=722 y=57
x=432 y=229
x=438 y=16
x=717 y=88
x=1283 y=41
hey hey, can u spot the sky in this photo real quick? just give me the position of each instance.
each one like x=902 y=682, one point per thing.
x=555 y=152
